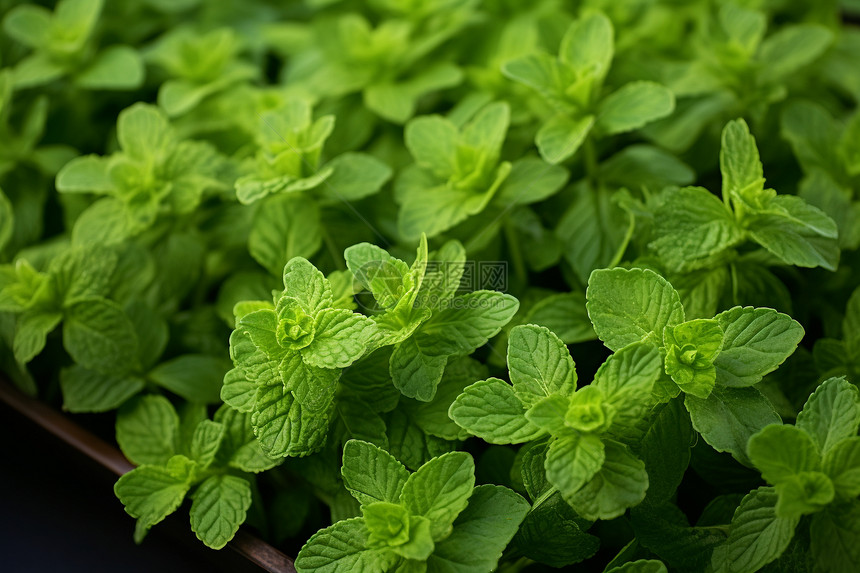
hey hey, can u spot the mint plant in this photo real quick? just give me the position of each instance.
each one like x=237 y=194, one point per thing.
x=572 y=88
x=155 y=172
x=812 y=471
x=389 y=63
x=458 y=172
x=715 y=362
x=199 y=65
x=735 y=67
x=386 y=270
x=586 y=458
x=422 y=316
x=216 y=458
x=62 y=47
x=788 y=228
x=288 y=356
x=434 y=517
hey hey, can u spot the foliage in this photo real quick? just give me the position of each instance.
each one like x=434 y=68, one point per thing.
x=458 y=285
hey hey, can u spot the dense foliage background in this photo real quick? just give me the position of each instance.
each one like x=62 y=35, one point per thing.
x=337 y=262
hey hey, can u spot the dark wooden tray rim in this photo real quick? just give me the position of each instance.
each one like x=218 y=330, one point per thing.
x=248 y=546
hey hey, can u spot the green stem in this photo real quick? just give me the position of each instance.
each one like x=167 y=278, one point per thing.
x=332 y=249
x=590 y=157
x=515 y=253
x=515 y=566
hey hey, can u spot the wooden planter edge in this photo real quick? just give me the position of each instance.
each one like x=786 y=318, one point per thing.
x=255 y=550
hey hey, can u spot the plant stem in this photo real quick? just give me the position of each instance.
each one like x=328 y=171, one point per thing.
x=337 y=258
x=515 y=253
x=590 y=158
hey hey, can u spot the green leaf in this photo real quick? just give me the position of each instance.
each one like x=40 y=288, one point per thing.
x=371 y=474
x=261 y=327
x=284 y=228
x=28 y=24
x=420 y=544
x=105 y=222
x=665 y=530
x=539 y=364
x=432 y=417
x=432 y=140
x=588 y=45
x=481 y=532
x=637 y=166
x=313 y=387
x=620 y=484
x=561 y=137
x=550 y=414
x=792 y=48
x=486 y=131
x=143 y=131
x=383 y=275
x=572 y=461
x=780 y=452
x=218 y=509
x=626 y=306
x=307 y=284
x=729 y=417
x=147 y=430
x=744 y=27
x=114 y=68
x=7 y=220
x=89 y=391
x=665 y=449
x=565 y=315
x=542 y=73
x=755 y=342
x=757 y=535
x=283 y=427
x=77 y=18
x=811 y=131
x=85 y=174
x=414 y=371
x=491 y=410
x=832 y=413
x=626 y=380
x=387 y=523
x=633 y=106
x=640 y=566
x=550 y=535
x=467 y=322
x=842 y=465
x=340 y=338
x=355 y=176
x=835 y=538
x=239 y=447
x=83 y=272
x=796 y=232
x=432 y=209
x=37 y=69
x=595 y=230
x=31 y=333
x=739 y=161
x=195 y=377
x=690 y=351
x=440 y=490
x=803 y=493
x=150 y=493
x=238 y=391
x=343 y=547
x=691 y=225
x=99 y=336
x=205 y=442
x=531 y=180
